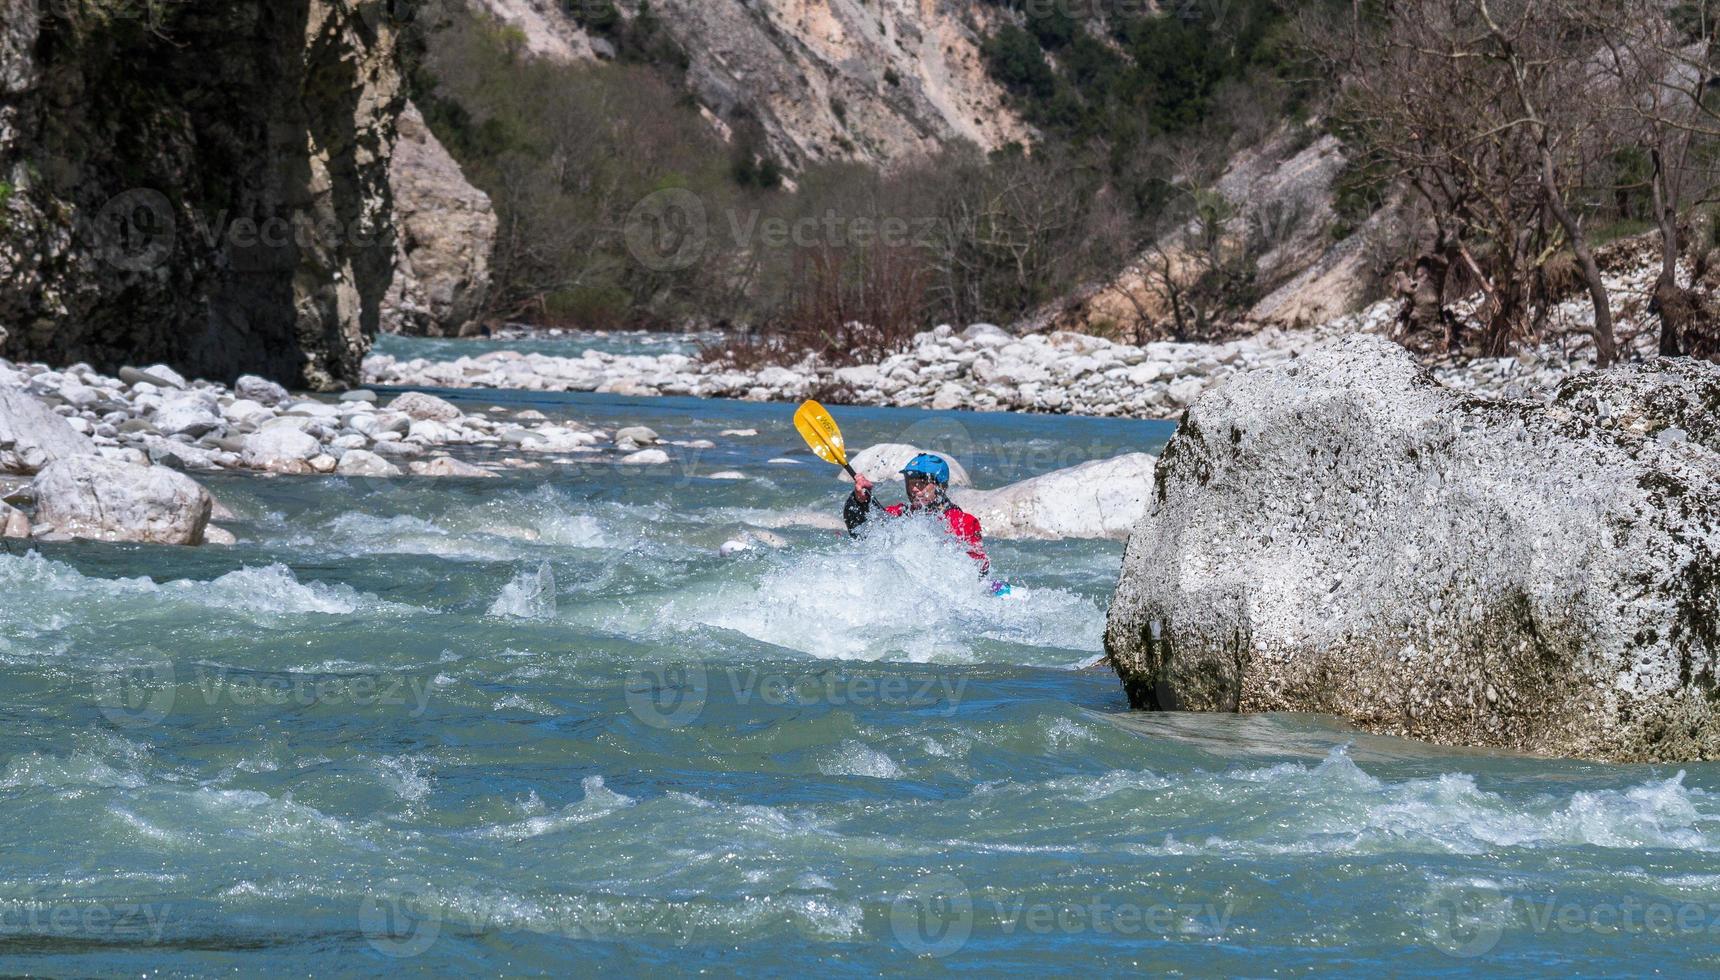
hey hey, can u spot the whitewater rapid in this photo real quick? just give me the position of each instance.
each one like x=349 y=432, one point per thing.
x=544 y=723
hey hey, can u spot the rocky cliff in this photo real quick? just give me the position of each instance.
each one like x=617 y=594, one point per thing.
x=198 y=182
x=825 y=79
x=1345 y=535
x=445 y=229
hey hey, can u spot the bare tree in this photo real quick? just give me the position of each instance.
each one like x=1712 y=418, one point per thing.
x=1462 y=108
x=1659 y=71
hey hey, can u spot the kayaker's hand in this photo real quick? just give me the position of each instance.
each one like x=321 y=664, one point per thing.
x=862 y=486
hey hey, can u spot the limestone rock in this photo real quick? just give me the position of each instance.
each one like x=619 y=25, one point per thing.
x=32 y=435
x=446 y=229
x=1104 y=498
x=637 y=434
x=359 y=462
x=429 y=408
x=260 y=390
x=13 y=523
x=1343 y=534
x=107 y=500
x=884 y=462
x=280 y=449
x=449 y=466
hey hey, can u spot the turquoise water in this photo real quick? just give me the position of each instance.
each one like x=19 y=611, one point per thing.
x=570 y=343
x=542 y=725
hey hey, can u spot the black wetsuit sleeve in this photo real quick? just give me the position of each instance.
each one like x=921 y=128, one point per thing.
x=855 y=512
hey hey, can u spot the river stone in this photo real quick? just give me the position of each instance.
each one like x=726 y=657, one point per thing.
x=418 y=405
x=280 y=449
x=361 y=462
x=13 y=523
x=186 y=414
x=32 y=435
x=1343 y=534
x=159 y=375
x=260 y=390
x=646 y=457
x=449 y=466
x=1104 y=498
x=884 y=462
x=639 y=435
x=107 y=500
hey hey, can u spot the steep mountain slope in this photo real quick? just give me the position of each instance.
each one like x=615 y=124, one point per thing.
x=868 y=80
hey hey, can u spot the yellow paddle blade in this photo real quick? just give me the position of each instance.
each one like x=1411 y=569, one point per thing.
x=819 y=430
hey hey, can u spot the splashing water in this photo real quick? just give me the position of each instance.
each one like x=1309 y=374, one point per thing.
x=904 y=590
x=531 y=595
x=544 y=724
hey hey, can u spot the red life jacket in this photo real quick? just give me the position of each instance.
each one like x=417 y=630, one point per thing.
x=962 y=524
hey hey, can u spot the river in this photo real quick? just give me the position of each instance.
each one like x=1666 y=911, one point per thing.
x=543 y=724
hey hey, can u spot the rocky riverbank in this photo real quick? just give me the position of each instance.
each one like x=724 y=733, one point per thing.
x=103 y=450
x=985 y=368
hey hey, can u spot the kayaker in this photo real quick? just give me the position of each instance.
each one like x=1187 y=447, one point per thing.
x=928 y=482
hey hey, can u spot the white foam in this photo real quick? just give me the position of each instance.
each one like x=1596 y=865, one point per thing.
x=599 y=801
x=856 y=759
x=530 y=595
x=271 y=590
x=905 y=590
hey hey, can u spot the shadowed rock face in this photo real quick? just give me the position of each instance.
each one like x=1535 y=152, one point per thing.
x=1345 y=535
x=198 y=182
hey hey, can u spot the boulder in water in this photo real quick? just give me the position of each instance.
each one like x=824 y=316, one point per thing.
x=13 y=523
x=639 y=435
x=449 y=466
x=428 y=408
x=1104 y=498
x=1343 y=534
x=32 y=435
x=107 y=500
x=281 y=449
x=360 y=462
x=884 y=462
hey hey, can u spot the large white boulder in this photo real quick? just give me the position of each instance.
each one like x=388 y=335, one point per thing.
x=109 y=500
x=884 y=462
x=360 y=462
x=1343 y=534
x=429 y=408
x=186 y=414
x=32 y=436
x=1104 y=498
x=280 y=449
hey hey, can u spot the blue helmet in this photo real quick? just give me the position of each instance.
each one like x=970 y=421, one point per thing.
x=929 y=465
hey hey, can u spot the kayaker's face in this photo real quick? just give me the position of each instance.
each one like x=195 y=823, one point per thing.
x=922 y=491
